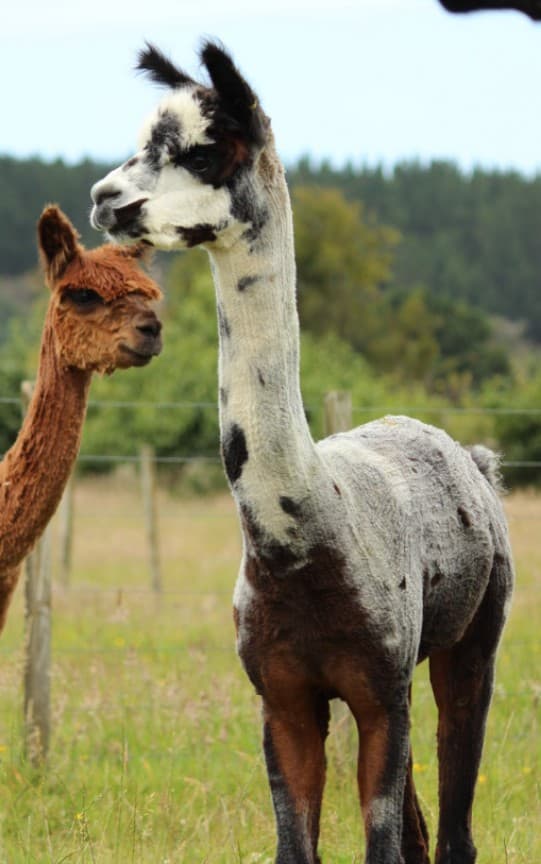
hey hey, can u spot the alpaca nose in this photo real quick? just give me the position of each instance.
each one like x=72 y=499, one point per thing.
x=152 y=326
x=105 y=194
x=101 y=192
x=124 y=218
x=102 y=216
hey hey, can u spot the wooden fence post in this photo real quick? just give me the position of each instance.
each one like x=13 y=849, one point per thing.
x=37 y=664
x=338 y=412
x=65 y=515
x=148 y=486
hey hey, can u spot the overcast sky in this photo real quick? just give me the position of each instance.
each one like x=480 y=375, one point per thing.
x=374 y=81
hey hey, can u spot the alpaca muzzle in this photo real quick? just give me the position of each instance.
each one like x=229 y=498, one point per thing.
x=147 y=342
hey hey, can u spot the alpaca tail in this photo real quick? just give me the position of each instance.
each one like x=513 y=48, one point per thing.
x=489 y=464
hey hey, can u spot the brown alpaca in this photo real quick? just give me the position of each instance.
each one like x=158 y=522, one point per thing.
x=99 y=319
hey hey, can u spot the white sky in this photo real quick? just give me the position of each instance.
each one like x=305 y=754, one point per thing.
x=368 y=80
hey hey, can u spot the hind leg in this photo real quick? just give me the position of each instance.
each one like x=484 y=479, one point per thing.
x=414 y=830
x=462 y=680
x=463 y=700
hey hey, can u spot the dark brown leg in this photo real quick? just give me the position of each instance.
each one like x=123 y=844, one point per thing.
x=383 y=758
x=294 y=739
x=414 y=831
x=463 y=703
x=462 y=681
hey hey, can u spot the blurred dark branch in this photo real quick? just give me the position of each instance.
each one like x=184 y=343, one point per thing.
x=532 y=8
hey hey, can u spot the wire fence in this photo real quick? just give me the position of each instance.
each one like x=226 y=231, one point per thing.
x=359 y=413
x=152 y=513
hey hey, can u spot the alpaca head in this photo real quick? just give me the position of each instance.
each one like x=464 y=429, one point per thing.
x=191 y=181
x=101 y=300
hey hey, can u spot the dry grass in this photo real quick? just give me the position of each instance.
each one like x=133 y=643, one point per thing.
x=155 y=754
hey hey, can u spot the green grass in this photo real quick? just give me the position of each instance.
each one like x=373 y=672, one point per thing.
x=155 y=753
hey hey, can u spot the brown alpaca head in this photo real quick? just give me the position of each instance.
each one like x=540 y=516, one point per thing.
x=101 y=305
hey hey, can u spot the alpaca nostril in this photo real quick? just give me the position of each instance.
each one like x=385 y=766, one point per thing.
x=107 y=194
x=150 y=328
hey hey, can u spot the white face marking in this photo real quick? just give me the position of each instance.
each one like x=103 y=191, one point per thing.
x=175 y=198
x=184 y=105
x=180 y=200
x=170 y=200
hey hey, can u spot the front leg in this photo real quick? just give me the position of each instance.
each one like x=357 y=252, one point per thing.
x=382 y=769
x=294 y=739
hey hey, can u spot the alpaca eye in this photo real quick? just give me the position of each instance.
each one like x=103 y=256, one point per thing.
x=198 y=161
x=84 y=298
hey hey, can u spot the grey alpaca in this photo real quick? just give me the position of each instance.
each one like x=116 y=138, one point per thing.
x=363 y=554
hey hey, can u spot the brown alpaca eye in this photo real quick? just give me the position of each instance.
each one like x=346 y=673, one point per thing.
x=84 y=298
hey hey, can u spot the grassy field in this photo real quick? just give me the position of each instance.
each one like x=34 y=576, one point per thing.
x=155 y=754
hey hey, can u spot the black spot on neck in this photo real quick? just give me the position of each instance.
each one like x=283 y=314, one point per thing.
x=223 y=396
x=234 y=452
x=223 y=324
x=260 y=378
x=202 y=233
x=292 y=508
x=464 y=517
x=247 y=282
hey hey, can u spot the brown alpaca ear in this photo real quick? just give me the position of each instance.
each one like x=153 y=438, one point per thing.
x=57 y=238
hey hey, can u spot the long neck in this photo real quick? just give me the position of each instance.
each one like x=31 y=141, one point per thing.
x=35 y=470
x=266 y=443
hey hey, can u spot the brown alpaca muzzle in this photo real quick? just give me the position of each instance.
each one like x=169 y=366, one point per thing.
x=145 y=342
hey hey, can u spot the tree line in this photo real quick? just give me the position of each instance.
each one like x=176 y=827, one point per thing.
x=468 y=236
x=472 y=236
x=394 y=304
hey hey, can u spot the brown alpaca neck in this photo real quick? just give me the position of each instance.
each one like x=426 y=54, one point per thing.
x=35 y=470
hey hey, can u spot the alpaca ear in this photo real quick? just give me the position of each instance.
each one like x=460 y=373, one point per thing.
x=237 y=97
x=160 y=69
x=58 y=241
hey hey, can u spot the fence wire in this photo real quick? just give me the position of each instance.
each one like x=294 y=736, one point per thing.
x=214 y=458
